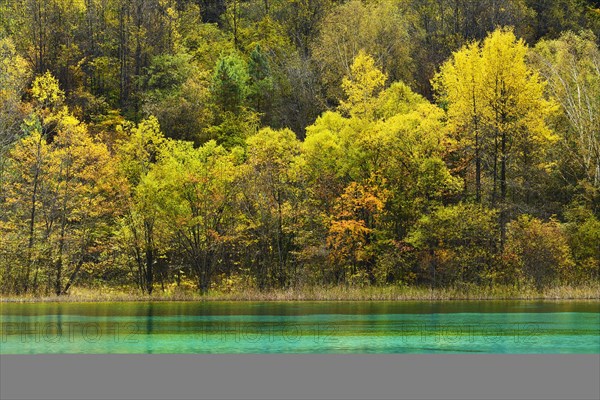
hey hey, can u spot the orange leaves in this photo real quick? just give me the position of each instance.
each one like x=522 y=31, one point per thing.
x=354 y=220
x=360 y=199
x=346 y=240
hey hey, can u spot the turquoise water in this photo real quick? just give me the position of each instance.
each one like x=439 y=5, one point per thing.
x=301 y=327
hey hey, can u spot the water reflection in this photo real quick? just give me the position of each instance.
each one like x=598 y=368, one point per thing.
x=307 y=327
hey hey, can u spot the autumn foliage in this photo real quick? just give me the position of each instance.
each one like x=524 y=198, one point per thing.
x=161 y=145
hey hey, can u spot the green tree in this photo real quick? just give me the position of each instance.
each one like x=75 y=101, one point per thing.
x=457 y=244
x=196 y=202
x=555 y=17
x=178 y=95
x=260 y=82
x=233 y=120
x=271 y=190
x=230 y=83
x=141 y=229
x=583 y=235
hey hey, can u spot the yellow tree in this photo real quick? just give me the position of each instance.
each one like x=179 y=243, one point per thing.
x=61 y=198
x=82 y=202
x=397 y=137
x=494 y=95
x=14 y=74
x=461 y=83
x=21 y=226
x=27 y=177
x=516 y=113
x=362 y=86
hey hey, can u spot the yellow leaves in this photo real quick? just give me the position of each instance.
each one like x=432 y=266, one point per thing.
x=273 y=147
x=28 y=162
x=74 y=7
x=405 y=140
x=345 y=239
x=269 y=34
x=190 y=188
x=14 y=72
x=510 y=86
x=363 y=86
x=397 y=99
x=63 y=191
x=46 y=91
x=144 y=146
x=82 y=170
x=323 y=136
x=485 y=81
x=497 y=110
x=460 y=82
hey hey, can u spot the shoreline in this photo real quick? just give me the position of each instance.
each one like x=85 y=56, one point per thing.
x=339 y=294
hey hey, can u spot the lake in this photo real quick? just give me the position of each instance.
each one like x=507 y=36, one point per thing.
x=520 y=327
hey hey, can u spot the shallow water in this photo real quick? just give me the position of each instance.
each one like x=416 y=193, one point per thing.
x=301 y=327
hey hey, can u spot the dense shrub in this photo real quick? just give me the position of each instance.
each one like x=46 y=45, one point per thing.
x=583 y=235
x=539 y=251
x=456 y=244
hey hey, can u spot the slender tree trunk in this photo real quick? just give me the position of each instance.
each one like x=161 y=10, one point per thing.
x=138 y=52
x=477 y=168
x=477 y=148
x=149 y=256
x=61 y=245
x=503 y=219
x=201 y=268
x=41 y=37
x=59 y=263
x=123 y=55
x=495 y=184
x=149 y=269
x=73 y=277
x=32 y=218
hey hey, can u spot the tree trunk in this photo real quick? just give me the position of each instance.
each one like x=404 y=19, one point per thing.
x=149 y=269
x=477 y=148
x=32 y=219
x=123 y=55
x=503 y=193
x=72 y=277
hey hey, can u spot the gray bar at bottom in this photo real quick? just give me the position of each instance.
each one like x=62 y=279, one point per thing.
x=300 y=377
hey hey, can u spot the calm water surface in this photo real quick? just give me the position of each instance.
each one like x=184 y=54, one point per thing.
x=303 y=327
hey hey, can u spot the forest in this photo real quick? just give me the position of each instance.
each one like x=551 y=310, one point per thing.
x=156 y=146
